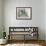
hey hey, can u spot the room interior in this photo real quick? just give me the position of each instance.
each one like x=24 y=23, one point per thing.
x=18 y=30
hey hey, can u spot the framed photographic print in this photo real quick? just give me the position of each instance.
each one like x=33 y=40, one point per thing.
x=24 y=13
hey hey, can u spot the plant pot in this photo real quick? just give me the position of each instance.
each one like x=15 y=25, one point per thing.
x=3 y=41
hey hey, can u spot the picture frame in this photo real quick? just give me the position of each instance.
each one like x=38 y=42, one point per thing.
x=23 y=13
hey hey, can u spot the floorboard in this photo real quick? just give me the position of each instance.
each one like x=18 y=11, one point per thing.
x=25 y=43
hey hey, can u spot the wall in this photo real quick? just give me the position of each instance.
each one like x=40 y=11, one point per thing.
x=37 y=15
x=45 y=19
x=0 y=12
x=0 y=18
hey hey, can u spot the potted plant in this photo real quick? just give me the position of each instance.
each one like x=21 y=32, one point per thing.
x=2 y=37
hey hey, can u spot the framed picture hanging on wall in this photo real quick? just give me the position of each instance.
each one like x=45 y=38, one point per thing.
x=23 y=13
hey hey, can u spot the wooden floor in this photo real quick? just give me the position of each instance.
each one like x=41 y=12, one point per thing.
x=40 y=42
